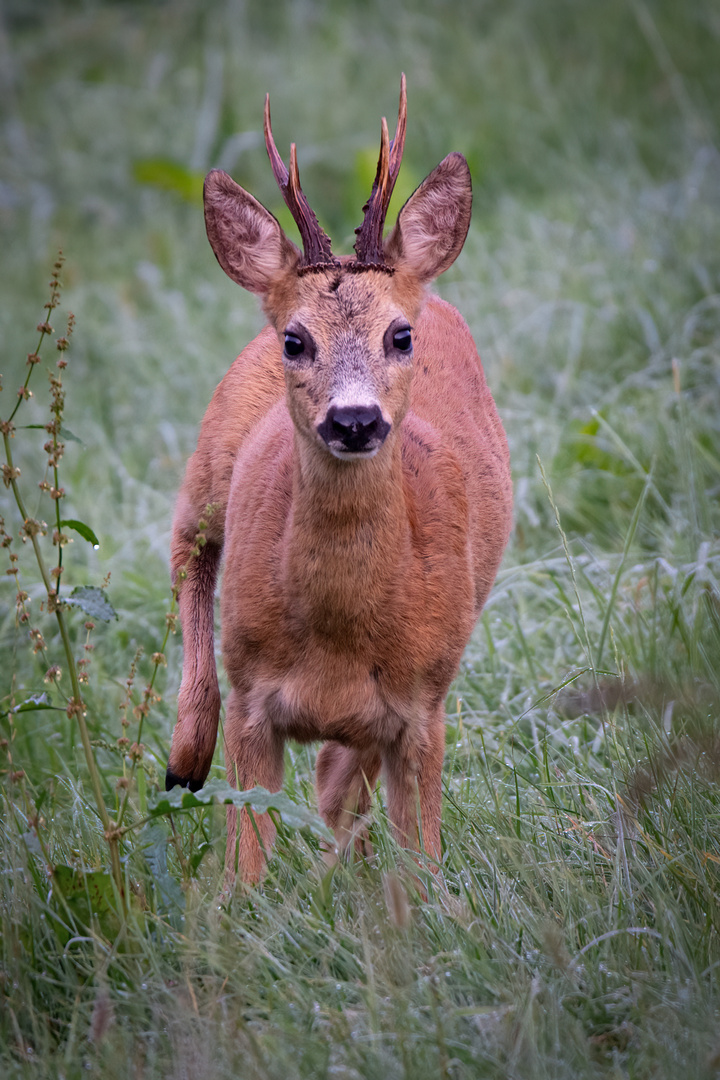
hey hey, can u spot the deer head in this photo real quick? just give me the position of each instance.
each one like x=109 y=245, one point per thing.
x=344 y=323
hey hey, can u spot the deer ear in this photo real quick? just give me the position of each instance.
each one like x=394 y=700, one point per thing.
x=247 y=240
x=432 y=225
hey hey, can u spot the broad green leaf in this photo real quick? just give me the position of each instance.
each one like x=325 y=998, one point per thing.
x=68 y=436
x=198 y=856
x=92 y=601
x=94 y=885
x=90 y=896
x=34 y=704
x=219 y=791
x=154 y=842
x=170 y=176
x=65 y=433
x=84 y=530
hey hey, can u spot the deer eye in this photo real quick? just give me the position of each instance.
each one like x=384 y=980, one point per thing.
x=293 y=345
x=402 y=339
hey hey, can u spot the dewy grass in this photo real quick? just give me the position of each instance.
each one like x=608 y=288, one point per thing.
x=574 y=928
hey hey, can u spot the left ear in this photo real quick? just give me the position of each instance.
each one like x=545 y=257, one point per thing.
x=432 y=225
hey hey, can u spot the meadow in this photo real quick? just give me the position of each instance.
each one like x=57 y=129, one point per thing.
x=574 y=930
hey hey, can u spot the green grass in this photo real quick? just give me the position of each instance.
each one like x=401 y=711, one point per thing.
x=574 y=932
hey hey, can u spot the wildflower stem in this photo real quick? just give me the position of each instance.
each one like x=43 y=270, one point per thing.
x=76 y=705
x=34 y=529
x=43 y=334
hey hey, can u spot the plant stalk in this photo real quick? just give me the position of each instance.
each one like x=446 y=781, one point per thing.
x=108 y=826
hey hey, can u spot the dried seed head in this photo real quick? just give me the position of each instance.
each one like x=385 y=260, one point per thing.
x=33 y=527
x=9 y=474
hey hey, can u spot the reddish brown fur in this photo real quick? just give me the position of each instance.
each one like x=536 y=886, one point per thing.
x=351 y=586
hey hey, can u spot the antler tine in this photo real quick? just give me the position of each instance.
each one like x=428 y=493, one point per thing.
x=316 y=242
x=398 y=143
x=369 y=246
x=382 y=176
x=276 y=162
x=293 y=182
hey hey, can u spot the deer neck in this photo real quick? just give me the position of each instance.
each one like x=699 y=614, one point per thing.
x=348 y=536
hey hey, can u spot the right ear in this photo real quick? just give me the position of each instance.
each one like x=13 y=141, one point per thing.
x=247 y=240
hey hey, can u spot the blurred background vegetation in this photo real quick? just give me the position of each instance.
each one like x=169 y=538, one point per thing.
x=590 y=130
x=591 y=283
x=591 y=134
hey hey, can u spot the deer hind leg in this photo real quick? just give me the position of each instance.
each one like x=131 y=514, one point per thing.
x=414 y=788
x=195 y=734
x=254 y=756
x=344 y=779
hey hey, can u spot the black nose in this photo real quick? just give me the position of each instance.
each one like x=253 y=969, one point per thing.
x=354 y=428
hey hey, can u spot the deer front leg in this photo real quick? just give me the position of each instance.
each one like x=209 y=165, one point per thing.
x=345 y=778
x=254 y=756
x=414 y=787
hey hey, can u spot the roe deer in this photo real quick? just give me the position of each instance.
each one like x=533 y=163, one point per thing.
x=361 y=487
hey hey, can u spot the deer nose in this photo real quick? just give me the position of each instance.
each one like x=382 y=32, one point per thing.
x=354 y=428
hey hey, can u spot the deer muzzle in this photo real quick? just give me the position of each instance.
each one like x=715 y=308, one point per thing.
x=353 y=430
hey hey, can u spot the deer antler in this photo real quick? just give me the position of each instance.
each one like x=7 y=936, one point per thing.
x=316 y=243
x=369 y=245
